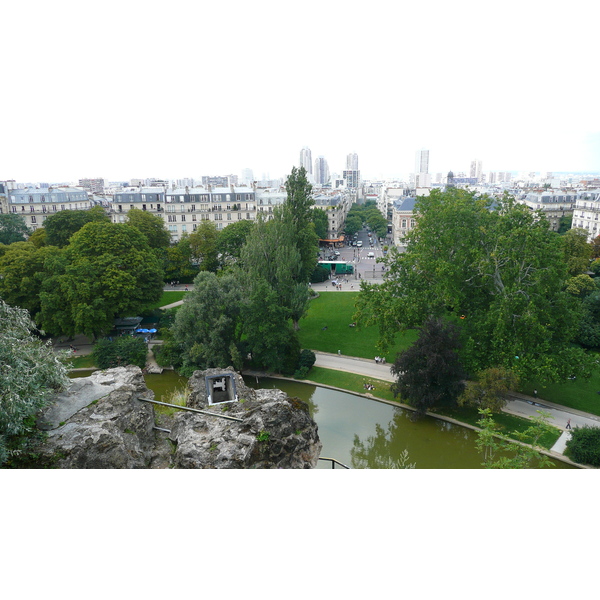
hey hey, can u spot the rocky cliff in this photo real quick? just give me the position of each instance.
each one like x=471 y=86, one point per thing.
x=102 y=422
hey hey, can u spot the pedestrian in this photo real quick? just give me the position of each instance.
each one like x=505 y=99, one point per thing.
x=568 y=424
x=339 y=352
x=535 y=393
x=186 y=288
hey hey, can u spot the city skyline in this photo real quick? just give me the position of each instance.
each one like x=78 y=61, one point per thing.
x=134 y=93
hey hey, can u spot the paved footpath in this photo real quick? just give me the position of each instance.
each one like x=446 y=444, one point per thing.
x=518 y=404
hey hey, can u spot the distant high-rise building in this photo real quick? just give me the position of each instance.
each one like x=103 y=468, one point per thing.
x=306 y=160
x=352 y=162
x=321 y=171
x=422 y=161
x=476 y=170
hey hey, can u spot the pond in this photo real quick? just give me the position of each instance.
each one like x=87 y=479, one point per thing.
x=363 y=433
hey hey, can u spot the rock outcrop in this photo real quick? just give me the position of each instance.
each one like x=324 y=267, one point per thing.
x=114 y=429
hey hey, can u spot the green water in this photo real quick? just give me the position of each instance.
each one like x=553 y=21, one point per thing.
x=364 y=433
x=360 y=432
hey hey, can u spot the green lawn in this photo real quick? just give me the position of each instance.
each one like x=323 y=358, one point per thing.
x=168 y=298
x=335 y=310
x=580 y=394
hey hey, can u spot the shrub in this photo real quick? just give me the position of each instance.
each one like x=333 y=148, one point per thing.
x=307 y=359
x=320 y=274
x=584 y=445
x=123 y=351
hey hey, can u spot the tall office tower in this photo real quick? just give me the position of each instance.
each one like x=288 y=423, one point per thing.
x=352 y=162
x=476 y=169
x=321 y=171
x=306 y=159
x=422 y=161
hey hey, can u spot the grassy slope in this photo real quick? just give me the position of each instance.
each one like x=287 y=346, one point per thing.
x=335 y=311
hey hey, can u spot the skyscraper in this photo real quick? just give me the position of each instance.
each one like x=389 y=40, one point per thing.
x=321 y=171
x=306 y=159
x=422 y=161
x=476 y=169
x=352 y=162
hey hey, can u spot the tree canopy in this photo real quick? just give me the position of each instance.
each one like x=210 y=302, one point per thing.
x=107 y=271
x=62 y=225
x=498 y=271
x=152 y=226
x=12 y=229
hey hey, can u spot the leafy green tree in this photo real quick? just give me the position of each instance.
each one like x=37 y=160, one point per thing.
x=500 y=453
x=151 y=226
x=429 y=372
x=488 y=389
x=62 y=225
x=499 y=269
x=578 y=251
x=22 y=272
x=353 y=224
x=120 y=352
x=319 y=218
x=178 y=262
x=30 y=373
x=232 y=239
x=272 y=341
x=564 y=224
x=580 y=285
x=207 y=328
x=38 y=237
x=272 y=256
x=297 y=212
x=107 y=271
x=12 y=229
x=203 y=245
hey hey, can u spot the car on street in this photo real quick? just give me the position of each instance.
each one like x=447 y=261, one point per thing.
x=359 y=243
x=371 y=255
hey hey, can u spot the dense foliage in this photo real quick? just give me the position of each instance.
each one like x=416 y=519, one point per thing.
x=584 y=445
x=12 y=229
x=120 y=352
x=497 y=270
x=30 y=372
x=429 y=373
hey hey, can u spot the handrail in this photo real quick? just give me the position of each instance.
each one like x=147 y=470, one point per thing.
x=334 y=462
x=196 y=410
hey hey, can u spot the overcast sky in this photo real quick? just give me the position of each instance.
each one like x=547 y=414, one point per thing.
x=136 y=89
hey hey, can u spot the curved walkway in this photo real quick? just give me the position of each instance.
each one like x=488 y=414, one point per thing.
x=518 y=404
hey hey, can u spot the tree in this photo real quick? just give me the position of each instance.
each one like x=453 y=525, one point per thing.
x=488 y=389
x=232 y=239
x=30 y=373
x=12 y=229
x=353 y=224
x=429 y=372
x=62 y=225
x=207 y=328
x=564 y=224
x=107 y=271
x=497 y=268
x=203 y=245
x=578 y=251
x=297 y=212
x=22 y=272
x=178 y=262
x=514 y=455
x=271 y=255
x=151 y=226
x=321 y=222
x=120 y=352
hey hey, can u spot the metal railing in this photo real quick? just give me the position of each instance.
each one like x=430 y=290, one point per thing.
x=196 y=410
x=334 y=462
